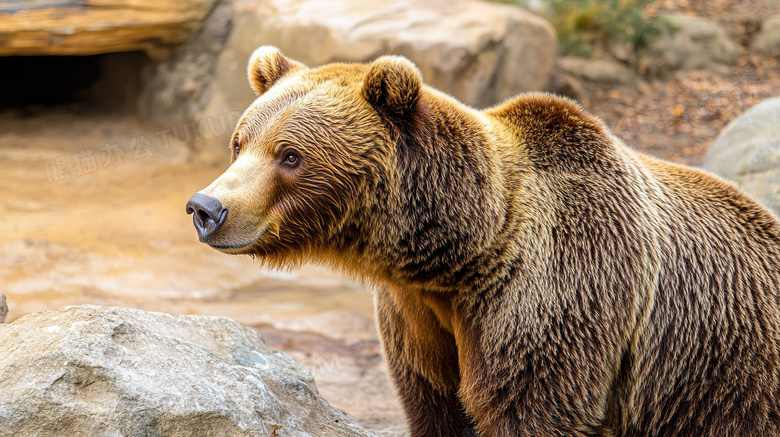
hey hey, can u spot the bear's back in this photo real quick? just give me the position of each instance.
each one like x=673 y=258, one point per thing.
x=706 y=358
x=715 y=325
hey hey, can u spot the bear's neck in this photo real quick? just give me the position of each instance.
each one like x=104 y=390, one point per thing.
x=442 y=218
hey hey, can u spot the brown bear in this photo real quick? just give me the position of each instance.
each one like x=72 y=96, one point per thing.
x=534 y=276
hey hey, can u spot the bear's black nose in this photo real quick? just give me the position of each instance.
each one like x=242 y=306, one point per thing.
x=207 y=214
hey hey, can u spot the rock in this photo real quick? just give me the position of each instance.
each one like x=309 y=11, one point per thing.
x=3 y=308
x=747 y=152
x=767 y=40
x=565 y=84
x=100 y=371
x=694 y=44
x=177 y=87
x=597 y=71
x=622 y=51
x=82 y=27
x=480 y=52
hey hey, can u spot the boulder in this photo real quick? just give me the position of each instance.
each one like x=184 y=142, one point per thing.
x=480 y=52
x=101 y=371
x=565 y=84
x=693 y=44
x=601 y=72
x=83 y=27
x=3 y=308
x=767 y=40
x=747 y=152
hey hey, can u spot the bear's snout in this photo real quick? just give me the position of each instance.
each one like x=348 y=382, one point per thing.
x=207 y=214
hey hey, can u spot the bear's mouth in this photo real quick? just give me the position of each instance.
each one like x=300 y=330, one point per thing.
x=232 y=249
x=237 y=248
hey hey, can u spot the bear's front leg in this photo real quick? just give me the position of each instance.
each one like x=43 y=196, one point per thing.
x=423 y=364
x=521 y=380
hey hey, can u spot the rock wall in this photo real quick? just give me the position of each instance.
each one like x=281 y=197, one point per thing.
x=480 y=52
x=101 y=371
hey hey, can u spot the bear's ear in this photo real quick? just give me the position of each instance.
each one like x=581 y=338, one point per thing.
x=267 y=65
x=392 y=85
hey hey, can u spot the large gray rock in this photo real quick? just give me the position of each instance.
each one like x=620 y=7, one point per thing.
x=3 y=308
x=99 y=371
x=480 y=52
x=747 y=152
x=767 y=41
x=694 y=44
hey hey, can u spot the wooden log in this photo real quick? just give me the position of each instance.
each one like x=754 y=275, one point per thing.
x=89 y=27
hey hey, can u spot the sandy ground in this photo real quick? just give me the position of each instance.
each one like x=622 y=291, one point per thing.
x=92 y=212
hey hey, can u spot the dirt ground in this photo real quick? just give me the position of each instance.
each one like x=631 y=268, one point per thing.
x=679 y=117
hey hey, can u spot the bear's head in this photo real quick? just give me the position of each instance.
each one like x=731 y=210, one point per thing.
x=312 y=158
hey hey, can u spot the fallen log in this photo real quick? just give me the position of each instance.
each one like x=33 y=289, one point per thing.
x=90 y=27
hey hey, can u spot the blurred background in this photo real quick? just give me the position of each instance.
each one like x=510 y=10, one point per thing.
x=114 y=112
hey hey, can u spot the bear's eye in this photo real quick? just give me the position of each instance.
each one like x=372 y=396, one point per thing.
x=236 y=148
x=291 y=158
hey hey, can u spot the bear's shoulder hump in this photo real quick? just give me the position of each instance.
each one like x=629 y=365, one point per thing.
x=555 y=130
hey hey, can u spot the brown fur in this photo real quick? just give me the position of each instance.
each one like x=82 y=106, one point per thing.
x=534 y=275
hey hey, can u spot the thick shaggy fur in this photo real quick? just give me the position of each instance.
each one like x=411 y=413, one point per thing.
x=534 y=275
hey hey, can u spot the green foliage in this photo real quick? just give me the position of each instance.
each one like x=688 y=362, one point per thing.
x=585 y=26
